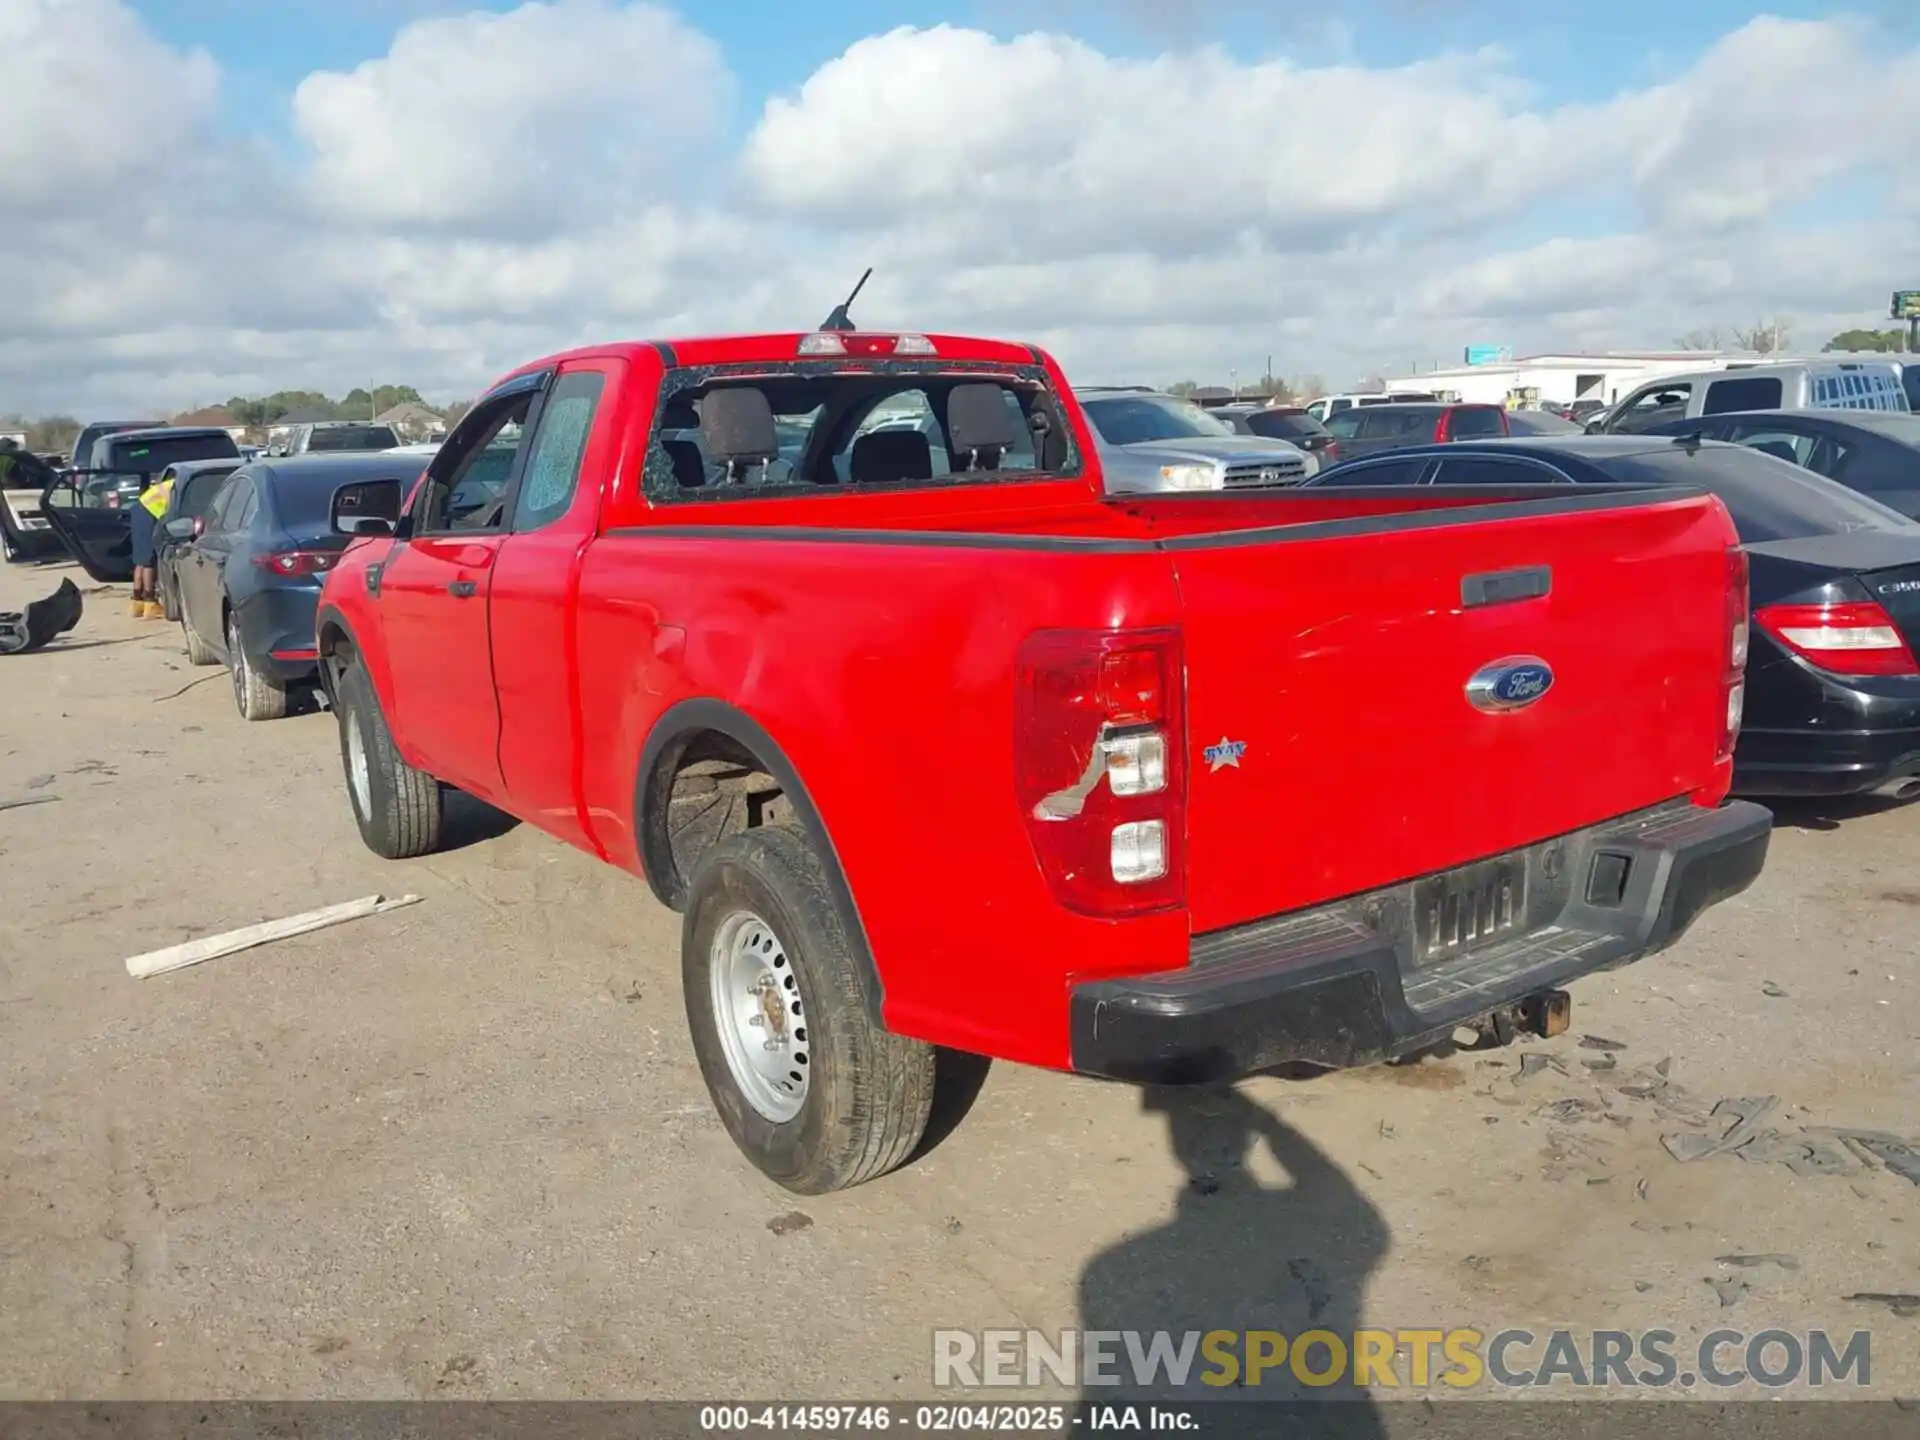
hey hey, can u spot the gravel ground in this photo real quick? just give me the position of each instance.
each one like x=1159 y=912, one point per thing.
x=463 y=1151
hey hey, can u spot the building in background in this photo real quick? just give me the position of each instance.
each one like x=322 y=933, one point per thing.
x=1534 y=380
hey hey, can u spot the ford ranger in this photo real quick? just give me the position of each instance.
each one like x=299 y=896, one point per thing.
x=938 y=746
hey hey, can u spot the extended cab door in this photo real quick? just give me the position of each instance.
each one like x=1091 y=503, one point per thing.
x=433 y=587
x=532 y=604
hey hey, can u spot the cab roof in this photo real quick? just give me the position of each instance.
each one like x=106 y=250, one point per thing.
x=783 y=348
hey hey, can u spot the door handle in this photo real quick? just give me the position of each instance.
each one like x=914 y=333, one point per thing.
x=461 y=589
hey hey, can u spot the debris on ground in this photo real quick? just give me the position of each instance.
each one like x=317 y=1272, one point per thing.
x=1600 y=1042
x=1905 y=1306
x=1600 y=1062
x=1772 y=991
x=1532 y=1065
x=40 y=622
x=792 y=1221
x=28 y=800
x=212 y=947
x=1745 y=1117
x=1731 y=1290
x=1754 y=1262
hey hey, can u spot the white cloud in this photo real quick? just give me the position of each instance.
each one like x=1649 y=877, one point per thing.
x=72 y=118
x=525 y=123
x=498 y=186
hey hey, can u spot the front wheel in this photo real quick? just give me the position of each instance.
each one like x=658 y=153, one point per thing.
x=397 y=807
x=815 y=1094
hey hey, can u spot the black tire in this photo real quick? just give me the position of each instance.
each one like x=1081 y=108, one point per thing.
x=869 y=1093
x=399 y=814
x=169 y=600
x=254 y=695
x=198 y=651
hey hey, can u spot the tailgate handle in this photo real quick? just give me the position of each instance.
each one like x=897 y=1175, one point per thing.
x=1503 y=587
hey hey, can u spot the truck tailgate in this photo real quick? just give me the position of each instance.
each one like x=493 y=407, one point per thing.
x=1341 y=662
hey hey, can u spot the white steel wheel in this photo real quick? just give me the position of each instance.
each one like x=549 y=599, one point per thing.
x=757 y=1012
x=359 y=773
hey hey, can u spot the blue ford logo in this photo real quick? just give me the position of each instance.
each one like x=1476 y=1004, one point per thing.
x=1510 y=684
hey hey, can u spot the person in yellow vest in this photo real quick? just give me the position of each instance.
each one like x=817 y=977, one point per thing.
x=145 y=518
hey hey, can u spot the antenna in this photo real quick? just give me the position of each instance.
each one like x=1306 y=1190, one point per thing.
x=839 y=320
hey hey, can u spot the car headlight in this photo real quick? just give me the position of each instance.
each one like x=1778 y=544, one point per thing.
x=1192 y=477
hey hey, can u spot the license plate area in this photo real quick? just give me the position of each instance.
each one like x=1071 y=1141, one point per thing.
x=1464 y=909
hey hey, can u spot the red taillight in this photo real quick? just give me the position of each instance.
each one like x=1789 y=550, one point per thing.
x=1442 y=427
x=1851 y=638
x=1331 y=450
x=297 y=562
x=1099 y=768
x=1733 y=687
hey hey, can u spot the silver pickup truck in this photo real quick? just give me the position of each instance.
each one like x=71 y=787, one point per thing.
x=1151 y=442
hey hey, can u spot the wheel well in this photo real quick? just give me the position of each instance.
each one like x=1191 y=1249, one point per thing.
x=704 y=787
x=336 y=652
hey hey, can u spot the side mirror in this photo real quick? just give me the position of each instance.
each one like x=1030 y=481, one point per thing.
x=367 y=507
x=185 y=527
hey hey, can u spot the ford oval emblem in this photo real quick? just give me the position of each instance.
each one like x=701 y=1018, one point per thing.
x=1510 y=684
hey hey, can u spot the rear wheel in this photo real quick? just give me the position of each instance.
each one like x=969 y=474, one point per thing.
x=812 y=1091
x=257 y=697
x=169 y=598
x=397 y=807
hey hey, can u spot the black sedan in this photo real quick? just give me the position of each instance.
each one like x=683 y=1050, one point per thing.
x=195 y=483
x=1833 y=690
x=1878 y=455
x=249 y=570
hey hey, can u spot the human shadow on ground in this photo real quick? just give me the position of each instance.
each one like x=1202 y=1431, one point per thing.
x=1241 y=1255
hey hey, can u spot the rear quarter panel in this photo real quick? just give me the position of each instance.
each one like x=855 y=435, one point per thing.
x=884 y=672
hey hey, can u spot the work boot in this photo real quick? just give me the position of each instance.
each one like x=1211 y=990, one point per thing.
x=154 y=610
x=137 y=608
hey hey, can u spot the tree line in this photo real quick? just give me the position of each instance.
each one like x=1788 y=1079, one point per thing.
x=55 y=434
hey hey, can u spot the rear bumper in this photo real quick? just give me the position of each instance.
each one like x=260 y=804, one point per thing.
x=277 y=630
x=1823 y=762
x=1337 y=986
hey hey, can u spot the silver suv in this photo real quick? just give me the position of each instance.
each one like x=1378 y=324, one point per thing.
x=1154 y=443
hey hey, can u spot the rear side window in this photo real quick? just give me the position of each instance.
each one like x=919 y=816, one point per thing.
x=1397 y=424
x=1475 y=422
x=553 y=464
x=1487 y=470
x=1377 y=472
x=1651 y=407
x=1344 y=424
x=351 y=437
x=1284 y=427
x=192 y=496
x=736 y=431
x=1767 y=498
x=1751 y=393
x=154 y=455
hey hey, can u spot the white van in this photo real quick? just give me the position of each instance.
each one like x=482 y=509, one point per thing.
x=1801 y=385
x=1333 y=404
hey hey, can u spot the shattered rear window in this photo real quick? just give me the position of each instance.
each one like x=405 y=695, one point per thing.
x=823 y=409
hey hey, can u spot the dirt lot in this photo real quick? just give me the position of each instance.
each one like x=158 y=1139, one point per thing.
x=462 y=1150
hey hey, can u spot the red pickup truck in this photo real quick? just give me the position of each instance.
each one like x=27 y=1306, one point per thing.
x=834 y=639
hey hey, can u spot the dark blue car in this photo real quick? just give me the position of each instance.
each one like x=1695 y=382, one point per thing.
x=249 y=570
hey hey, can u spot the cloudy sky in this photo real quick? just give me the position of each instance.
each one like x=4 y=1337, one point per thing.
x=204 y=197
